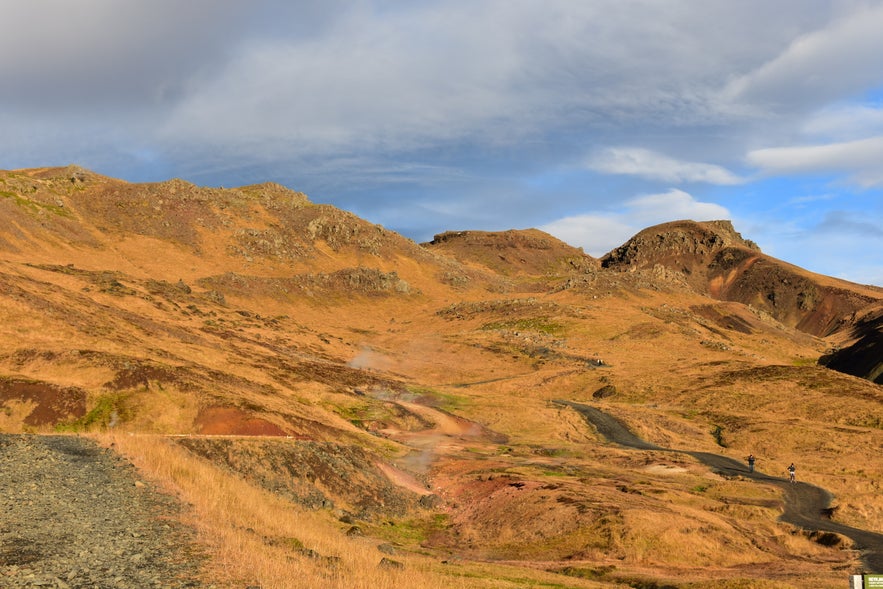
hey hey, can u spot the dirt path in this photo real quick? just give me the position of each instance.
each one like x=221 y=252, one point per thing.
x=805 y=505
x=74 y=515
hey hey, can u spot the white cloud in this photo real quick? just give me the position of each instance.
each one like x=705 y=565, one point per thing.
x=598 y=234
x=833 y=62
x=859 y=159
x=499 y=72
x=845 y=122
x=645 y=163
x=670 y=206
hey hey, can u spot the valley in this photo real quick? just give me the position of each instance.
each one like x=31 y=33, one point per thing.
x=333 y=396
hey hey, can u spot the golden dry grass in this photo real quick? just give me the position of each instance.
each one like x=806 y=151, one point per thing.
x=255 y=537
x=330 y=366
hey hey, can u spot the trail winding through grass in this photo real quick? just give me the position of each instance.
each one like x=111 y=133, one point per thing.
x=806 y=505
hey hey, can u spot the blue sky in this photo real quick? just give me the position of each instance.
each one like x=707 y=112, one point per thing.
x=588 y=119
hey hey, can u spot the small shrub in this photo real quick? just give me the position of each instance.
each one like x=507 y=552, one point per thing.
x=108 y=411
x=717 y=432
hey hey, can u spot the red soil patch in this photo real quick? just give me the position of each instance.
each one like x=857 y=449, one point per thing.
x=53 y=403
x=230 y=421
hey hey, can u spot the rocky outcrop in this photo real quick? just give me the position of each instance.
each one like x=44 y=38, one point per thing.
x=714 y=259
x=260 y=222
x=686 y=244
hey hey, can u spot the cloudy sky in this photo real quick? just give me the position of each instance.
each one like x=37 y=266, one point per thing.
x=590 y=119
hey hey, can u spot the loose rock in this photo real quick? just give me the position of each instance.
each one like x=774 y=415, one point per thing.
x=72 y=516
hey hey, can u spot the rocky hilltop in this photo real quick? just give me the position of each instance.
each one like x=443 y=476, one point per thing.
x=527 y=252
x=715 y=260
x=325 y=351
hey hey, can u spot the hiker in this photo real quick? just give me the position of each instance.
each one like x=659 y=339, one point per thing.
x=751 y=463
x=791 y=470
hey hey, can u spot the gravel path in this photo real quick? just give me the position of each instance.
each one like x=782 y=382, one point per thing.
x=74 y=515
x=805 y=505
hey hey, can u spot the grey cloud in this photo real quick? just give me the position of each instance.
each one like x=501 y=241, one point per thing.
x=91 y=54
x=844 y=222
x=833 y=62
x=859 y=159
x=270 y=77
x=648 y=164
x=491 y=73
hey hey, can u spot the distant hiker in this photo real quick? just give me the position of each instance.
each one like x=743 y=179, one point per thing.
x=751 y=463
x=791 y=470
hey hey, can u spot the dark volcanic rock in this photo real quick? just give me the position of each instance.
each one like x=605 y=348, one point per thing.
x=604 y=392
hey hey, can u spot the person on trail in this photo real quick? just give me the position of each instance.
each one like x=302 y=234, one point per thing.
x=750 y=463
x=791 y=470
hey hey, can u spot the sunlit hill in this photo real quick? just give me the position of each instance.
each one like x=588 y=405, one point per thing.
x=358 y=396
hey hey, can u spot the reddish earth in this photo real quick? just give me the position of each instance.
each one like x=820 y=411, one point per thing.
x=249 y=314
x=53 y=404
x=231 y=421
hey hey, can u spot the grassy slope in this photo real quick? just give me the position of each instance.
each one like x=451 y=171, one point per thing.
x=236 y=308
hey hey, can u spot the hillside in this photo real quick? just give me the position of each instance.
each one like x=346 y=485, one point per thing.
x=526 y=253
x=715 y=260
x=410 y=390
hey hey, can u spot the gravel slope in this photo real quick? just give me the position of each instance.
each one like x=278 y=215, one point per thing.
x=74 y=515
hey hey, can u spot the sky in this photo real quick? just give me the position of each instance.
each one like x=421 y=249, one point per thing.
x=588 y=119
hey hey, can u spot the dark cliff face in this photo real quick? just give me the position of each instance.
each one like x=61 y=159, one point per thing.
x=795 y=297
x=864 y=358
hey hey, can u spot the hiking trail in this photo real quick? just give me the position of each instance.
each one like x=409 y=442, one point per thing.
x=805 y=505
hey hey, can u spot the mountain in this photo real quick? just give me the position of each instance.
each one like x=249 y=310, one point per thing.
x=714 y=259
x=411 y=389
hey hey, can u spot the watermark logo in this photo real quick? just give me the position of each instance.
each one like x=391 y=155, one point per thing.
x=866 y=582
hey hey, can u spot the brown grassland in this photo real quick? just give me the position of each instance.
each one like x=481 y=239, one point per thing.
x=341 y=407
